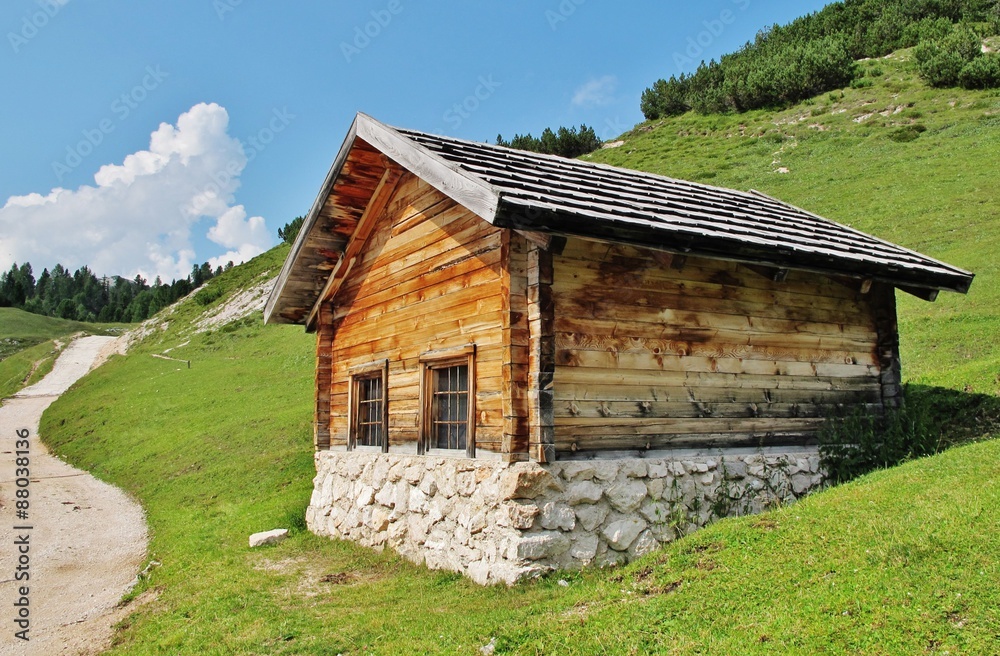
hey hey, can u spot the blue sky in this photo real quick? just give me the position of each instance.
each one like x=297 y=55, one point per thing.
x=255 y=97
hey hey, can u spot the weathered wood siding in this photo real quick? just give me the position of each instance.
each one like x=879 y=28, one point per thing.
x=429 y=278
x=654 y=351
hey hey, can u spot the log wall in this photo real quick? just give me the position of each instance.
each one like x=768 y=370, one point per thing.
x=429 y=278
x=655 y=351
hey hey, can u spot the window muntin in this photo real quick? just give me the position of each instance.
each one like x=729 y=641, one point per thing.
x=448 y=400
x=369 y=418
x=450 y=407
x=371 y=407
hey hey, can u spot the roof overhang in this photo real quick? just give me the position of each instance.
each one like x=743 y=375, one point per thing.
x=374 y=155
x=370 y=150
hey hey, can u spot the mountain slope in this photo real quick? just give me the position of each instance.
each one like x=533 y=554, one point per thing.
x=898 y=562
x=907 y=163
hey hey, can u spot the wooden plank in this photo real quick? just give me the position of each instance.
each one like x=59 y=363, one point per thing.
x=890 y=374
x=677 y=410
x=568 y=396
x=640 y=266
x=641 y=377
x=567 y=446
x=375 y=279
x=324 y=366
x=650 y=362
x=580 y=427
x=665 y=355
x=516 y=345
x=541 y=353
x=380 y=198
x=456 y=183
x=472 y=274
x=574 y=280
x=684 y=310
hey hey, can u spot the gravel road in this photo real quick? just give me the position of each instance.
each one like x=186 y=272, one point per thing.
x=87 y=539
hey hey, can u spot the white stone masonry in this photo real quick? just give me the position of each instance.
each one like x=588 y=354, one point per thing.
x=500 y=523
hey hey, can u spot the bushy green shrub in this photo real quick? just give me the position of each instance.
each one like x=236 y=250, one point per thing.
x=981 y=73
x=208 y=295
x=666 y=98
x=566 y=142
x=941 y=61
x=858 y=442
x=927 y=29
x=908 y=132
x=817 y=52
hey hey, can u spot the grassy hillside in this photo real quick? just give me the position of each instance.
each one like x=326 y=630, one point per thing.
x=901 y=562
x=27 y=367
x=20 y=329
x=28 y=345
x=907 y=163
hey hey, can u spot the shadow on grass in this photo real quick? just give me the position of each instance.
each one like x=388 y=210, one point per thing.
x=961 y=417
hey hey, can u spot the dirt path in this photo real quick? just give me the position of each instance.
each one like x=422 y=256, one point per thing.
x=87 y=539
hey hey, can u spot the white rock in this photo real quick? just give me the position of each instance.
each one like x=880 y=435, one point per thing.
x=626 y=497
x=268 y=537
x=605 y=470
x=657 y=469
x=542 y=545
x=578 y=470
x=387 y=495
x=417 y=502
x=634 y=468
x=583 y=492
x=591 y=516
x=479 y=572
x=584 y=548
x=466 y=484
x=365 y=496
x=557 y=516
x=621 y=534
x=428 y=485
x=644 y=544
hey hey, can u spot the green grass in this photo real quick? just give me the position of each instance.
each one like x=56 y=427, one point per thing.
x=20 y=329
x=935 y=193
x=900 y=562
x=26 y=367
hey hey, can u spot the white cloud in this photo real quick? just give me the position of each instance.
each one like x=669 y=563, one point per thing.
x=595 y=92
x=139 y=215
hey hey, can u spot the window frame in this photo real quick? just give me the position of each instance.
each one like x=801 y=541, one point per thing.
x=430 y=363
x=359 y=374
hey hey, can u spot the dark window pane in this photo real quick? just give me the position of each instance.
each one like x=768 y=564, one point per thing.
x=450 y=407
x=370 y=411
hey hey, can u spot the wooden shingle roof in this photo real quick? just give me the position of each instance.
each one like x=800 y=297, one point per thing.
x=547 y=194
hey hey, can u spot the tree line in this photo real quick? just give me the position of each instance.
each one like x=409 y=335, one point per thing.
x=83 y=296
x=565 y=142
x=817 y=53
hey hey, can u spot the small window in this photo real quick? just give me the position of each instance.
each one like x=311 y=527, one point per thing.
x=369 y=407
x=449 y=401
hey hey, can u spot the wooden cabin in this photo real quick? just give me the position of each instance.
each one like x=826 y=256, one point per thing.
x=478 y=301
x=525 y=362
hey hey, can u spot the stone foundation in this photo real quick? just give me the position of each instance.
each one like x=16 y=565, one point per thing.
x=499 y=523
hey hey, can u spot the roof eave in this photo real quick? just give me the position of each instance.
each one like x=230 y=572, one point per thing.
x=307 y=225
x=461 y=186
x=517 y=216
